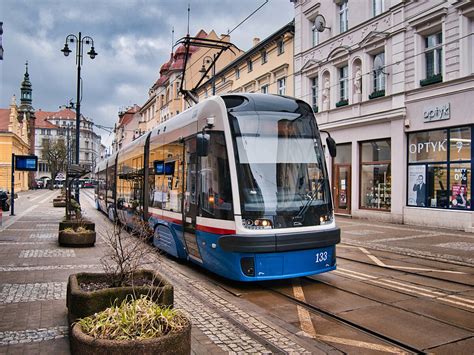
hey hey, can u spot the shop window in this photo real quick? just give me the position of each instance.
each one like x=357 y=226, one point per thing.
x=460 y=181
x=439 y=174
x=460 y=143
x=375 y=179
x=428 y=146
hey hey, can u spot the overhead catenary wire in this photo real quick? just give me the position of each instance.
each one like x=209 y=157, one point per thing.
x=335 y=85
x=179 y=77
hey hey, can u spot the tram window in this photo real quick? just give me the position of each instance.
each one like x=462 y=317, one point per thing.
x=166 y=189
x=130 y=184
x=216 y=192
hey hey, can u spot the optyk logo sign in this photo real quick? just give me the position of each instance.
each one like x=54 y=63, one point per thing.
x=437 y=113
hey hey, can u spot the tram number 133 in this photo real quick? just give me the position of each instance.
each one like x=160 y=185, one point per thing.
x=320 y=257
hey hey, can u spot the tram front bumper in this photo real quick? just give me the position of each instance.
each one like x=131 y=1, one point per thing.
x=284 y=242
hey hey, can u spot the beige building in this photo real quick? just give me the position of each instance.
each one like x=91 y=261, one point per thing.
x=267 y=68
x=393 y=83
x=13 y=140
x=164 y=100
x=128 y=127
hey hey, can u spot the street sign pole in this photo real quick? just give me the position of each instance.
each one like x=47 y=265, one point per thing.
x=12 y=190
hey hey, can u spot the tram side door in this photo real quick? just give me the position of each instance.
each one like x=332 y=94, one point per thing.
x=190 y=200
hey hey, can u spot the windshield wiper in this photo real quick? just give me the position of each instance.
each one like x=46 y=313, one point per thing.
x=299 y=218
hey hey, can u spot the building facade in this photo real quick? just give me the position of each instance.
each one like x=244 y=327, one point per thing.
x=62 y=125
x=393 y=83
x=128 y=127
x=13 y=140
x=17 y=126
x=266 y=68
x=164 y=99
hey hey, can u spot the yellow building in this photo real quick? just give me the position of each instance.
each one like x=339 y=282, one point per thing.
x=266 y=68
x=13 y=139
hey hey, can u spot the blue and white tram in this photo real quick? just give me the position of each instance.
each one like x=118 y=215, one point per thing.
x=237 y=183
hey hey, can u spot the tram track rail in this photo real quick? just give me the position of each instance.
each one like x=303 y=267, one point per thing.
x=438 y=258
x=405 y=271
x=406 y=348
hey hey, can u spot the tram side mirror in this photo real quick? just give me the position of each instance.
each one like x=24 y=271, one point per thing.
x=202 y=144
x=331 y=143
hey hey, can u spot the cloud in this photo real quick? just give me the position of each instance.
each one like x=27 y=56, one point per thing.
x=132 y=37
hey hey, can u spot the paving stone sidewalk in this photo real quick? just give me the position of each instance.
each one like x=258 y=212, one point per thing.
x=34 y=272
x=425 y=242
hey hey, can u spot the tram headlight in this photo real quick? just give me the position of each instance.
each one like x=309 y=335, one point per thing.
x=326 y=218
x=259 y=223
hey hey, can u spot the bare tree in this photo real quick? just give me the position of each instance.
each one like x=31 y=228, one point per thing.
x=125 y=256
x=54 y=152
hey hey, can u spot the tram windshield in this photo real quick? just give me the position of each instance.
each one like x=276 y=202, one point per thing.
x=281 y=168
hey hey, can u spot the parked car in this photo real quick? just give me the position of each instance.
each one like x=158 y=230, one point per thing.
x=4 y=200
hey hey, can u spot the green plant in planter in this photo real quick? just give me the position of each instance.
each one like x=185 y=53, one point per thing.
x=134 y=319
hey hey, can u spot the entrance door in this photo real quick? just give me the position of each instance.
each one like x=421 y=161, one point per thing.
x=342 y=191
x=190 y=207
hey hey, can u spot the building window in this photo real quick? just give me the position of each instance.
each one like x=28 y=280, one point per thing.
x=314 y=34
x=433 y=58
x=249 y=65
x=377 y=6
x=264 y=57
x=237 y=73
x=343 y=20
x=281 y=84
x=375 y=175
x=439 y=168
x=378 y=76
x=343 y=84
x=264 y=89
x=280 y=46
x=314 y=93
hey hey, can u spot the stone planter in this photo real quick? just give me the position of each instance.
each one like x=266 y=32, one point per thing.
x=74 y=223
x=76 y=240
x=58 y=202
x=81 y=303
x=175 y=343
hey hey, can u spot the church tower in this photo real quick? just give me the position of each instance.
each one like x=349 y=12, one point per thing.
x=26 y=114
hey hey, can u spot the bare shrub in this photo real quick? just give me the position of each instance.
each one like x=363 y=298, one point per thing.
x=125 y=255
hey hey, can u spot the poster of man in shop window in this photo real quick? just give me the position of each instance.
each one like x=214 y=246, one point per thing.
x=417 y=185
x=459 y=190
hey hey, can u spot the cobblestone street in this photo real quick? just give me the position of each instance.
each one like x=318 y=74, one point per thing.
x=232 y=317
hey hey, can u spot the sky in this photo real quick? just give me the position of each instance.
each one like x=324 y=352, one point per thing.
x=132 y=38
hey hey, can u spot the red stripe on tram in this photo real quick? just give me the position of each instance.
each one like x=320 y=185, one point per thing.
x=214 y=230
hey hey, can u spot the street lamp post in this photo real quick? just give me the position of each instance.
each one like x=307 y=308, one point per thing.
x=207 y=59
x=80 y=42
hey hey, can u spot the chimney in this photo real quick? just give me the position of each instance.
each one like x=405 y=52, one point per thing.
x=256 y=41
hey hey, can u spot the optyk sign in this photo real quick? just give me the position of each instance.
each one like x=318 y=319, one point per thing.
x=437 y=113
